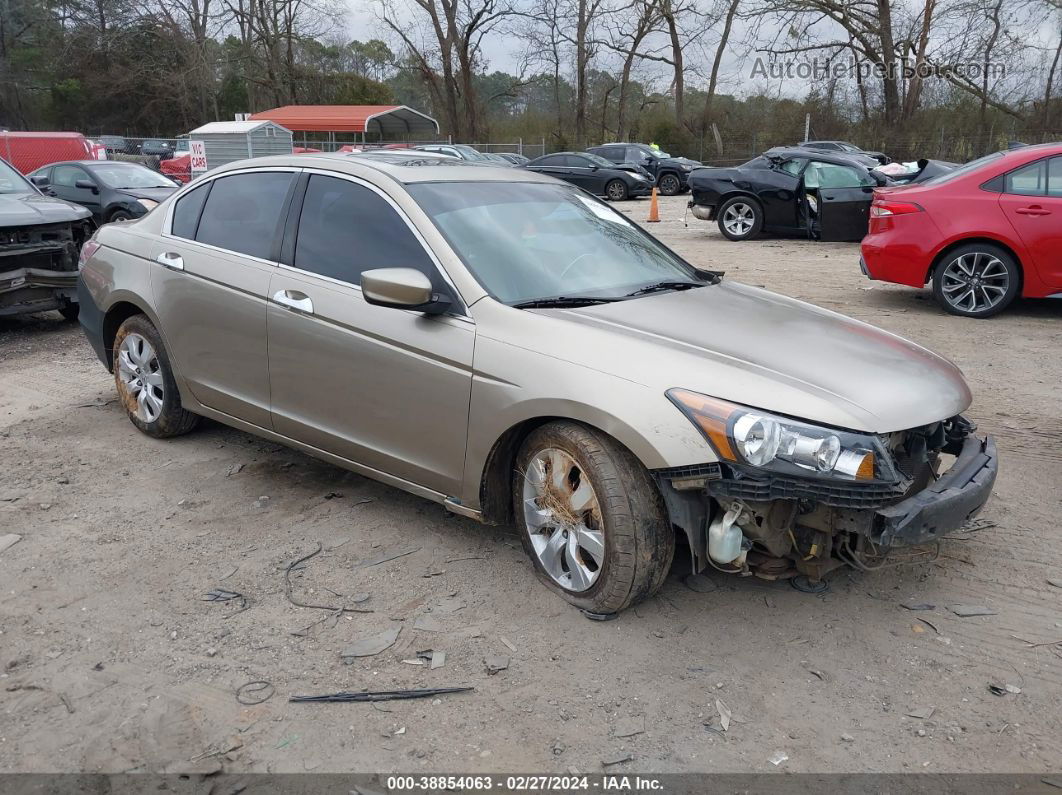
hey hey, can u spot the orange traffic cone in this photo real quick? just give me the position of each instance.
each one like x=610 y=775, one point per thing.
x=654 y=210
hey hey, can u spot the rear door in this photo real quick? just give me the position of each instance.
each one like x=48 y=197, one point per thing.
x=386 y=388
x=843 y=195
x=554 y=165
x=582 y=172
x=211 y=275
x=1032 y=202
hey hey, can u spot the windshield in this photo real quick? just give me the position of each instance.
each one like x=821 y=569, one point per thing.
x=597 y=160
x=13 y=182
x=470 y=153
x=964 y=169
x=527 y=241
x=129 y=175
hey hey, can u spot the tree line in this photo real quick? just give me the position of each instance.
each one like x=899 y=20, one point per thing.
x=707 y=77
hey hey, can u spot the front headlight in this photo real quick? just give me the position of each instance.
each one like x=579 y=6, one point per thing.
x=147 y=204
x=688 y=167
x=750 y=437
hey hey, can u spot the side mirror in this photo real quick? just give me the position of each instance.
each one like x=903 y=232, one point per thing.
x=86 y=184
x=594 y=166
x=402 y=288
x=40 y=181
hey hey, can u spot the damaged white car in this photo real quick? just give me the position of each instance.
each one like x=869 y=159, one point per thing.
x=507 y=345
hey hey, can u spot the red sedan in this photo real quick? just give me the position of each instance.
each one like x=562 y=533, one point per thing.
x=983 y=234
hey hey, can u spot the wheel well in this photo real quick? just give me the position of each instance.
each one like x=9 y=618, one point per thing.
x=741 y=195
x=966 y=241
x=114 y=318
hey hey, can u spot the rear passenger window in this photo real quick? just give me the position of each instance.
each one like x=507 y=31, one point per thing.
x=345 y=229
x=187 y=210
x=243 y=212
x=1054 y=177
x=1030 y=180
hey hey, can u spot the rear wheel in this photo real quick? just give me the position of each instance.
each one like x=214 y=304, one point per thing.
x=121 y=215
x=591 y=519
x=616 y=190
x=976 y=280
x=669 y=184
x=740 y=218
x=145 y=382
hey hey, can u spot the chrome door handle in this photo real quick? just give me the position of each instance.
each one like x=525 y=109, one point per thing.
x=170 y=260
x=293 y=299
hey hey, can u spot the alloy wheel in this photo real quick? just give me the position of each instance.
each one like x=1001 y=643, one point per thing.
x=974 y=282
x=739 y=218
x=562 y=516
x=141 y=375
x=669 y=185
x=616 y=191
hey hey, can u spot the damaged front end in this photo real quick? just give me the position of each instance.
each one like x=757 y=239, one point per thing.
x=38 y=266
x=742 y=519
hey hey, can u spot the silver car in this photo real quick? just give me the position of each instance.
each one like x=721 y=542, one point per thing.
x=513 y=348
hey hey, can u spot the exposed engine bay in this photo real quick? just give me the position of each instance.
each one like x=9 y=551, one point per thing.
x=775 y=526
x=38 y=265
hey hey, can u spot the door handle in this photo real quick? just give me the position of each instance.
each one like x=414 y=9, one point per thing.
x=169 y=259
x=1036 y=209
x=293 y=299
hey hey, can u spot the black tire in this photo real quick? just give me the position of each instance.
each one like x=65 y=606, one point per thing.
x=669 y=184
x=172 y=419
x=70 y=311
x=743 y=207
x=994 y=281
x=121 y=215
x=639 y=543
x=616 y=190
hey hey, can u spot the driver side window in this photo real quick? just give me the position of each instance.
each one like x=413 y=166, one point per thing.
x=793 y=166
x=830 y=175
x=66 y=176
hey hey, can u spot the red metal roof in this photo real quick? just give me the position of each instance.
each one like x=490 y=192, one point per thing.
x=395 y=119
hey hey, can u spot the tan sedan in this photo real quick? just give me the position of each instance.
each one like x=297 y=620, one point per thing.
x=511 y=347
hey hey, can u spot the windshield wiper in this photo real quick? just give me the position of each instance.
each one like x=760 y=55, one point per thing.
x=660 y=286
x=563 y=301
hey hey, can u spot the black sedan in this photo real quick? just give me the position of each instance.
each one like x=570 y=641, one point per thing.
x=795 y=191
x=845 y=148
x=112 y=190
x=593 y=174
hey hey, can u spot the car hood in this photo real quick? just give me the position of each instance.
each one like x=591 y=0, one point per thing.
x=28 y=209
x=154 y=194
x=681 y=161
x=760 y=349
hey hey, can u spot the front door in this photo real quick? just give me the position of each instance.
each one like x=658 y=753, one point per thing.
x=1032 y=202
x=65 y=179
x=210 y=279
x=842 y=196
x=386 y=388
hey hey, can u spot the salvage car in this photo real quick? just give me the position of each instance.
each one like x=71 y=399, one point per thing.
x=843 y=147
x=110 y=189
x=593 y=174
x=983 y=234
x=536 y=358
x=793 y=191
x=40 y=238
x=671 y=174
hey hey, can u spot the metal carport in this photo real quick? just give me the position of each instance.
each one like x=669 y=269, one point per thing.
x=384 y=121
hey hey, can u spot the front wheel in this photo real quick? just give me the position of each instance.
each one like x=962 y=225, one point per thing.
x=669 y=184
x=591 y=519
x=740 y=219
x=616 y=190
x=121 y=215
x=145 y=383
x=976 y=280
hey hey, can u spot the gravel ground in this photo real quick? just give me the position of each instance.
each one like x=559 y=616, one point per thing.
x=111 y=659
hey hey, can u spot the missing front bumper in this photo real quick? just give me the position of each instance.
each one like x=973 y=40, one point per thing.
x=945 y=505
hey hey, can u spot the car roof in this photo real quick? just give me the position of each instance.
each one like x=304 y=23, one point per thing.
x=827 y=157
x=406 y=172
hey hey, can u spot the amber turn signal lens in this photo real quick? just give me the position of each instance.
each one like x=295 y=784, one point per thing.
x=709 y=414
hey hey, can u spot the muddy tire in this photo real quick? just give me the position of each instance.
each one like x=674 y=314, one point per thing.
x=976 y=280
x=590 y=518
x=740 y=218
x=669 y=184
x=144 y=380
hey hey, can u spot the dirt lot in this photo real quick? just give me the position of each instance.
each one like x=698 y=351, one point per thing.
x=111 y=660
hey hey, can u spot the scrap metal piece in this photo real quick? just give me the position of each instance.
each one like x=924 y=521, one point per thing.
x=379 y=695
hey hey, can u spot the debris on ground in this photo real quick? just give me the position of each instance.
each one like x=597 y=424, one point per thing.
x=387 y=558
x=257 y=692
x=917 y=606
x=296 y=564
x=370 y=645
x=922 y=713
x=724 y=714
x=1002 y=690
x=496 y=663
x=969 y=611
x=379 y=695
x=847 y=738
x=9 y=540
x=438 y=660
x=699 y=583
x=825 y=677
x=427 y=623
x=617 y=760
x=778 y=757
x=628 y=727
x=508 y=644
x=1055 y=582
x=450 y=606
